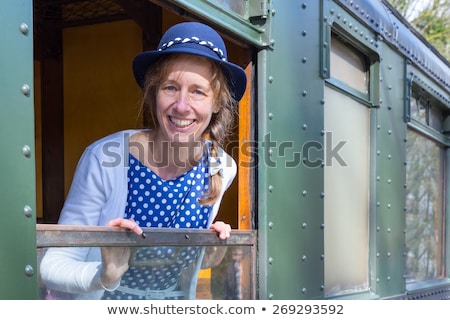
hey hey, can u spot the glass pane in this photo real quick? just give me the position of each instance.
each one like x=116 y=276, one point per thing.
x=426 y=109
x=238 y=6
x=155 y=273
x=349 y=66
x=424 y=203
x=346 y=194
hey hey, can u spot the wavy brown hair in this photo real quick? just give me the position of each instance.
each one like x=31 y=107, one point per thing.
x=221 y=123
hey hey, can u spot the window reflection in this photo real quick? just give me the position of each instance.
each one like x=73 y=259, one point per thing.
x=424 y=204
x=176 y=273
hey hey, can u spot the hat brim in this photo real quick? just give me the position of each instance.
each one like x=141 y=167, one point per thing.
x=237 y=79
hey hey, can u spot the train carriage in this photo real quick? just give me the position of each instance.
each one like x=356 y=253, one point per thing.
x=342 y=142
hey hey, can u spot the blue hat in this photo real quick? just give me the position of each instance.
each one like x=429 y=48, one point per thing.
x=193 y=38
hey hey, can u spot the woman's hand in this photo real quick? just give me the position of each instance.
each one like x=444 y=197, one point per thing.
x=115 y=259
x=222 y=228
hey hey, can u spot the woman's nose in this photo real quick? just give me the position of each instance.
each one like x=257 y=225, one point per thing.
x=182 y=104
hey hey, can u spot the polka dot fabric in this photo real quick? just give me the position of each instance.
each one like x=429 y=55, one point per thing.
x=154 y=202
x=159 y=203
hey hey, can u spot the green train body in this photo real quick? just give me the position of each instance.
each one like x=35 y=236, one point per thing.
x=342 y=140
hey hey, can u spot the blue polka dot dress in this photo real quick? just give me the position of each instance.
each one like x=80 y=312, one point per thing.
x=159 y=203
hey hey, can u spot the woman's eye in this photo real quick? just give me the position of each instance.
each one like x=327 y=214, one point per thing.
x=199 y=92
x=169 y=90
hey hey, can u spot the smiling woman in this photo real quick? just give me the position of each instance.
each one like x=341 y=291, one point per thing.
x=172 y=181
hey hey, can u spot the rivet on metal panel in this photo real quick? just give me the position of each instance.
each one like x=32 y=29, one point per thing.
x=29 y=271
x=304 y=258
x=26 y=150
x=304 y=225
x=25 y=90
x=304 y=290
x=270 y=260
x=270 y=79
x=305 y=126
x=270 y=296
x=304 y=193
x=304 y=60
x=270 y=188
x=24 y=28
x=270 y=116
x=27 y=211
x=304 y=6
x=270 y=225
x=322 y=226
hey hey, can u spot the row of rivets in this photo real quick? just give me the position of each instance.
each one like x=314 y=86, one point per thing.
x=26 y=150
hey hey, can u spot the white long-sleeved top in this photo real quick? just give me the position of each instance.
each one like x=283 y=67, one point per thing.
x=97 y=195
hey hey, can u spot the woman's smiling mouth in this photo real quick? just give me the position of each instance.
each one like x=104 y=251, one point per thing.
x=180 y=123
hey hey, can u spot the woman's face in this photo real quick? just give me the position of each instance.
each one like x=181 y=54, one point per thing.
x=184 y=101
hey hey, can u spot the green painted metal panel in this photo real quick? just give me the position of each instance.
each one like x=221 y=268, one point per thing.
x=18 y=277
x=254 y=33
x=391 y=177
x=290 y=197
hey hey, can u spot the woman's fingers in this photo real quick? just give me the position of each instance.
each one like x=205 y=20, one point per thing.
x=129 y=224
x=223 y=229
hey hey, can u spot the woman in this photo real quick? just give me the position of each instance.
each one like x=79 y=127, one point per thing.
x=171 y=175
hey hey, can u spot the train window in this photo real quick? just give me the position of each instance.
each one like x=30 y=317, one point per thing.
x=347 y=194
x=349 y=66
x=425 y=108
x=424 y=208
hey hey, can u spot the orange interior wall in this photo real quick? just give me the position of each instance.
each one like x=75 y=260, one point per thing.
x=100 y=93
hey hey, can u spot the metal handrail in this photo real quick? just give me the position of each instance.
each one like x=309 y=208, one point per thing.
x=56 y=235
